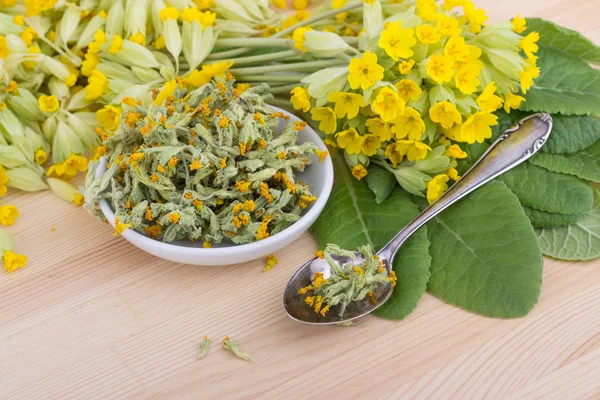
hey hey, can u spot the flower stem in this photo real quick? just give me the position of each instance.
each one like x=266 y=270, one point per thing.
x=316 y=18
x=300 y=66
x=281 y=89
x=271 y=78
x=252 y=42
x=221 y=55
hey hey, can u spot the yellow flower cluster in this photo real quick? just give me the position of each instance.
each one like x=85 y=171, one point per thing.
x=419 y=86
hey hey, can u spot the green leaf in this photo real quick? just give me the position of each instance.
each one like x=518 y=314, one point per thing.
x=564 y=39
x=485 y=256
x=549 y=191
x=351 y=219
x=567 y=85
x=381 y=182
x=571 y=133
x=584 y=164
x=580 y=241
x=542 y=219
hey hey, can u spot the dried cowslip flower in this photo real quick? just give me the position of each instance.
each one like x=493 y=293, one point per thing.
x=271 y=261
x=231 y=345
x=202 y=166
x=204 y=347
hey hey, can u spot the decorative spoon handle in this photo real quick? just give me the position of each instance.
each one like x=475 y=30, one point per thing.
x=512 y=148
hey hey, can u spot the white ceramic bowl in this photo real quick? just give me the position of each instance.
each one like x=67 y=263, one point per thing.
x=319 y=175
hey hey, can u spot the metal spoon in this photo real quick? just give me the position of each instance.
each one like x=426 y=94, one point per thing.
x=512 y=148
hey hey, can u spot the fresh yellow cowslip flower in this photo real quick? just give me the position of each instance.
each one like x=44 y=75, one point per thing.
x=36 y=7
x=370 y=144
x=452 y=174
x=300 y=99
x=393 y=153
x=446 y=114
x=338 y=3
x=301 y=4
x=409 y=125
x=427 y=34
x=3 y=181
x=204 y=4
x=408 y=90
x=299 y=16
x=48 y=104
x=448 y=26
x=364 y=71
x=455 y=151
x=31 y=64
x=69 y=167
x=397 y=41
x=413 y=149
x=388 y=104
x=28 y=35
x=529 y=44
x=204 y=18
x=138 y=38
x=346 y=104
x=281 y=4
x=475 y=18
x=89 y=64
x=350 y=141
x=406 y=66
x=527 y=76
x=201 y=77
x=4 y=50
x=359 y=172
x=19 y=19
x=440 y=68
x=13 y=261
x=450 y=4
x=436 y=187
x=299 y=39
x=169 y=13
x=116 y=44
x=97 y=85
x=327 y=118
x=167 y=91
x=8 y=214
x=380 y=128
x=270 y=262
x=487 y=101
x=512 y=101
x=477 y=128
x=427 y=9
x=40 y=156
x=78 y=199
x=467 y=78
x=109 y=117
x=457 y=49
x=519 y=24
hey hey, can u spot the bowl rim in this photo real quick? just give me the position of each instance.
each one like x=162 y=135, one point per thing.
x=298 y=227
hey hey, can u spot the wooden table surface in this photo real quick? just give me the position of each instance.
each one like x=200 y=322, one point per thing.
x=91 y=316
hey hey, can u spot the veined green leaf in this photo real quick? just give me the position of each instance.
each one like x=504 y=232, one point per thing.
x=549 y=191
x=584 y=164
x=381 y=182
x=564 y=39
x=542 y=219
x=580 y=241
x=351 y=219
x=571 y=133
x=485 y=256
x=557 y=91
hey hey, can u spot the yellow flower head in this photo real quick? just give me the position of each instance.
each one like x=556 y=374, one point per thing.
x=529 y=44
x=19 y=19
x=439 y=68
x=109 y=117
x=487 y=101
x=359 y=172
x=427 y=9
x=4 y=50
x=48 y=103
x=27 y=36
x=448 y=26
x=397 y=41
x=519 y=24
x=370 y=144
x=393 y=152
x=364 y=71
x=380 y=128
x=477 y=127
x=455 y=151
x=452 y=174
x=294 y=19
x=169 y=13
x=299 y=39
x=13 y=261
x=3 y=181
x=281 y=4
x=450 y=4
x=138 y=38
x=428 y=34
x=78 y=199
x=445 y=113
x=456 y=49
x=8 y=214
x=167 y=91
x=174 y=218
x=40 y=156
x=346 y=103
x=350 y=141
x=270 y=262
x=327 y=117
x=193 y=14
x=409 y=124
x=204 y=4
x=466 y=79
x=300 y=99
x=436 y=187
x=36 y=7
x=73 y=164
x=530 y=73
x=97 y=85
x=388 y=104
x=116 y=44
x=88 y=65
x=475 y=18
x=414 y=150
x=512 y=101
x=408 y=90
x=406 y=66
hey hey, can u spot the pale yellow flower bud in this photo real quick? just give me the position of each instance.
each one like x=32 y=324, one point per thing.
x=326 y=44
x=115 y=19
x=135 y=17
x=69 y=22
x=62 y=189
x=66 y=142
x=59 y=89
x=25 y=105
x=25 y=178
x=87 y=35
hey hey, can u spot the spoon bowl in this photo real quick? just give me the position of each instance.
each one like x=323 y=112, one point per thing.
x=511 y=148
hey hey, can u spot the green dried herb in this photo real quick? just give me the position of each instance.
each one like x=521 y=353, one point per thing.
x=231 y=345
x=348 y=283
x=206 y=165
x=204 y=347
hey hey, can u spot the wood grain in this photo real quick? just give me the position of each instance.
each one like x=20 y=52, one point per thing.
x=93 y=317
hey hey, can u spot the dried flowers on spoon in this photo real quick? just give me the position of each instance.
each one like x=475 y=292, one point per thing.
x=205 y=165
